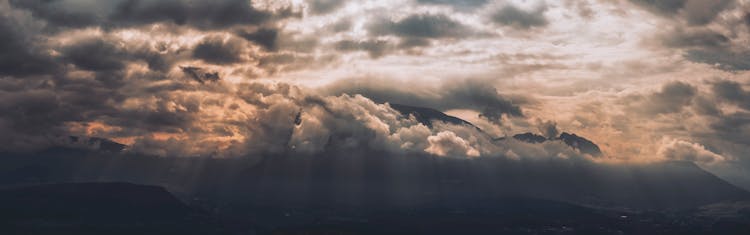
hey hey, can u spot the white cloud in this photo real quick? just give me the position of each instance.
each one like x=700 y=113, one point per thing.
x=448 y=144
x=674 y=149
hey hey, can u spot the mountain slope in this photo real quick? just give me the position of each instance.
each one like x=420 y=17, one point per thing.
x=95 y=208
x=427 y=115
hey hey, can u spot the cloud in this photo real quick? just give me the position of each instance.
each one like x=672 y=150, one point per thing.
x=458 y=4
x=96 y=55
x=200 y=14
x=375 y=48
x=124 y=13
x=265 y=37
x=511 y=15
x=218 y=50
x=446 y=143
x=673 y=149
x=548 y=129
x=58 y=13
x=733 y=92
x=320 y=7
x=695 y=12
x=673 y=97
x=462 y=94
x=664 y=7
x=20 y=55
x=724 y=58
x=431 y=26
x=695 y=39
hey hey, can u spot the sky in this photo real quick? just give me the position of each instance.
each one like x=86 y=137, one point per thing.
x=645 y=80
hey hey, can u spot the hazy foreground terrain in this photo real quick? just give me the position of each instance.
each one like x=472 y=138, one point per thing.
x=360 y=193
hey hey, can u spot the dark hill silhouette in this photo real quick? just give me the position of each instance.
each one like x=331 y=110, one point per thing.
x=91 y=208
x=97 y=143
x=373 y=179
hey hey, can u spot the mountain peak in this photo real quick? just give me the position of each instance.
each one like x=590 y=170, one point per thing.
x=577 y=142
x=427 y=115
x=530 y=137
x=582 y=144
x=97 y=143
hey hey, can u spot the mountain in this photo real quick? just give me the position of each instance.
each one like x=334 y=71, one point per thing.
x=577 y=142
x=529 y=137
x=379 y=180
x=427 y=115
x=580 y=143
x=97 y=143
x=96 y=208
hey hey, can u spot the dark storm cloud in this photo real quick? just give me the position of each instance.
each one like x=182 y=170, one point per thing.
x=19 y=56
x=704 y=45
x=202 y=14
x=724 y=58
x=732 y=92
x=95 y=55
x=325 y=6
x=408 y=43
x=458 y=4
x=695 y=12
x=673 y=97
x=265 y=37
x=375 y=48
x=104 y=54
x=511 y=15
x=727 y=131
x=717 y=43
x=33 y=114
x=661 y=6
x=467 y=94
x=421 y=26
x=695 y=38
x=56 y=14
x=217 y=50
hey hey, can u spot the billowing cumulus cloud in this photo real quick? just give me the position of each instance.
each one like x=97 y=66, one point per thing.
x=548 y=129
x=446 y=143
x=686 y=151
